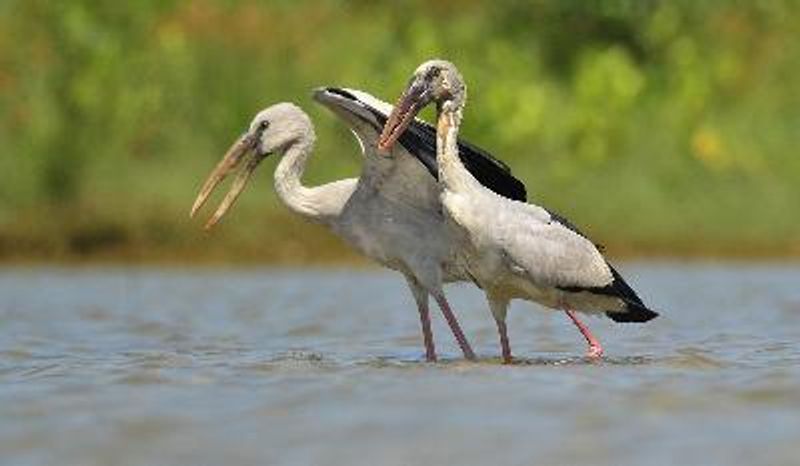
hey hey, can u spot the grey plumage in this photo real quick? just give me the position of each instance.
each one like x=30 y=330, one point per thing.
x=513 y=249
x=383 y=214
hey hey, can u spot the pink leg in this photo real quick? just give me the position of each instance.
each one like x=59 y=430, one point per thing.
x=421 y=297
x=456 y=329
x=595 y=349
x=427 y=334
x=501 y=328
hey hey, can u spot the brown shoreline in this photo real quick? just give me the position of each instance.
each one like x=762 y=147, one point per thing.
x=332 y=253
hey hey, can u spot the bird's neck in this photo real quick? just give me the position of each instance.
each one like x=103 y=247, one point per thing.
x=452 y=173
x=305 y=201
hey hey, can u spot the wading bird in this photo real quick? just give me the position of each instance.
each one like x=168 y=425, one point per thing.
x=391 y=213
x=513 y=249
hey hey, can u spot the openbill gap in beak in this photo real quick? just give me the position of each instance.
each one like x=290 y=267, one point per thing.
x=243 y=148
x=415 y=98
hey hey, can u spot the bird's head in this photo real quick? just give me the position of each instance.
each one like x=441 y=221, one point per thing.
x=273 y=130
x=436 y=81
x=276 y=128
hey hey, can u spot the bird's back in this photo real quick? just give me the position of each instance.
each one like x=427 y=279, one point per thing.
x=536 y=254
x=551 y=253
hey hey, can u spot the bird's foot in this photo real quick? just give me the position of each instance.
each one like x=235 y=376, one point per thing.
x=468 y=353
x=595 y=351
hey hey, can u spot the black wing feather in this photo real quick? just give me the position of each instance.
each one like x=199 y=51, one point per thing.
x=489 y=171
x=420 y=140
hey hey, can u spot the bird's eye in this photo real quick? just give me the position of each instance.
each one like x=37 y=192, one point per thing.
x=263 y=125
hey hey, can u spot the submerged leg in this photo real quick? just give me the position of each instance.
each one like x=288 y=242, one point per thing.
x=421 y=297
x=506 y=347
x=595 y=349
x=456 y=329
x=499 y=308
x=427 y=334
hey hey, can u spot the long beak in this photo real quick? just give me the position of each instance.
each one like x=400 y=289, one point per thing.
x=232 y=159
x=414 y=99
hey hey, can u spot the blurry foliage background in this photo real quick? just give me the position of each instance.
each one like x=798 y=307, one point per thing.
x=660 y=127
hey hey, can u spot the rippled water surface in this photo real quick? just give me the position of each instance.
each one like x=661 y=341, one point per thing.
x=262 y=366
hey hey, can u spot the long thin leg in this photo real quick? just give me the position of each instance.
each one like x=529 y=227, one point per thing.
x=427 y=334
x=499 y=308
x=595 y=349
x=506 y=347
x=421 y=297
x=456 y=329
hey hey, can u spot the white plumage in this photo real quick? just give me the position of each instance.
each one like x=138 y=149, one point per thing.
x=513 y=249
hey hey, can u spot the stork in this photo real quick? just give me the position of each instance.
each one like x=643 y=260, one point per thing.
x=514 y=250
x=390 y=213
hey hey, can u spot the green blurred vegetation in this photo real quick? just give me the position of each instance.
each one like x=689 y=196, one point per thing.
x=660 y=127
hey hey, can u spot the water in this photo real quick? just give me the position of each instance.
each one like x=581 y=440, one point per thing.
x=146 y=366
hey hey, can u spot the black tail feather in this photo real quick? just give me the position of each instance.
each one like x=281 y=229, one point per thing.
x=633 y=313
x=635 y=310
